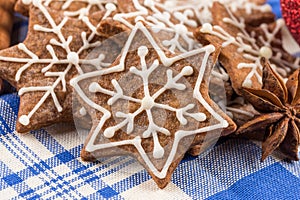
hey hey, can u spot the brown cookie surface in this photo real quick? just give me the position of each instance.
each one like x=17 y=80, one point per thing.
x=55 y=51
x=151 y=104
x=243 y=47
x=74 y=8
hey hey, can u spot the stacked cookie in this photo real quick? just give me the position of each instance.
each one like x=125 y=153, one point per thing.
x=141 y=73
x=6 y=23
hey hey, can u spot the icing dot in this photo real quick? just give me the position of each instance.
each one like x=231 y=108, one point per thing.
x=26 y=2
x=158 y=152
x=21 y=46
x=266 y=52
x=82 y=111
x=206 y=28
x=181 y=29
x=147 y=103
x=110 y=6
x=36 y=3
x=109 y=132
x=143 y=51
x=73 y=58
x=94 y=87
x=24 y=120
x=187 y=71
x=225 y=124
x=200 y=117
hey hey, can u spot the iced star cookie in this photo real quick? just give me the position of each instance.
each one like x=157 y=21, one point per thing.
x=72 y=8
x=243 y=47
x=202 y=10
x=54 y=52
x=151 y=104
x=174 y=29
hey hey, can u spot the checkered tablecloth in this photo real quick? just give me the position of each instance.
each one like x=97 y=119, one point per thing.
x=46 y=164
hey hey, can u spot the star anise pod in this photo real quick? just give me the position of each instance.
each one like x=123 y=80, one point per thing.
x=279 y=104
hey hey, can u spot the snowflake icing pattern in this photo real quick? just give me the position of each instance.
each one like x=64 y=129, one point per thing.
x=162 y=21
x=148 y=102
x=249 y=47
x=202 y=9
x=84 y=11
x=71 y=60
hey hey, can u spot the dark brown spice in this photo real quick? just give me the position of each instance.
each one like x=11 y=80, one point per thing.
x=279 y=104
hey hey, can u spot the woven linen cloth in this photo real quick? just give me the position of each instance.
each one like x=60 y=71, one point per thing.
x=46 y=164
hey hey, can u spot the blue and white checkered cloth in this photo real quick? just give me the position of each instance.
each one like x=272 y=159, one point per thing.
x=46 y=164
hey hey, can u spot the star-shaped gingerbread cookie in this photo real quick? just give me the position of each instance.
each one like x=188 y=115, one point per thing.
x=151 y=104
x=243 y=47
x=71 y=8
x=54 y=52
x=252 y=10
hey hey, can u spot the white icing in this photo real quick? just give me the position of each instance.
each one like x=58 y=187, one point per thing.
x=266 y=52
x=26 y=2
x=24 y=119
x=148 y=102
x=202 y=9
x=162 y=21
x=102 y=5
x=83 y=111
x=206 y=28
x=249 y=47
x=71 y=60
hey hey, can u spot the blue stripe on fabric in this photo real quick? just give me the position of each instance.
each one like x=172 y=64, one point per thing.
x=26 y=193
x=13 y=100
x=131 y=182
x=4 y=128
x=273 y=182
x=23 y=186
x=4 y=172
x=88 y=177
x=223 y=166
x=24 y=155
x=275 y=7
x=108 y=192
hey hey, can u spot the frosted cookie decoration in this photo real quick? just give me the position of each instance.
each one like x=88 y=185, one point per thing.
x=151 y=104
x=173 y=29
x=203 y=9
x=243 y=47
x=54 y=51
x=72 y=8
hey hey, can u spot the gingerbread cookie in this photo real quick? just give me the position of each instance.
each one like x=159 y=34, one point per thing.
x=243 y=47
x=72 y=8
x=250 y=9
x=151 y=104
x=175 y=30
x=6 y=22
x=54 y=52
